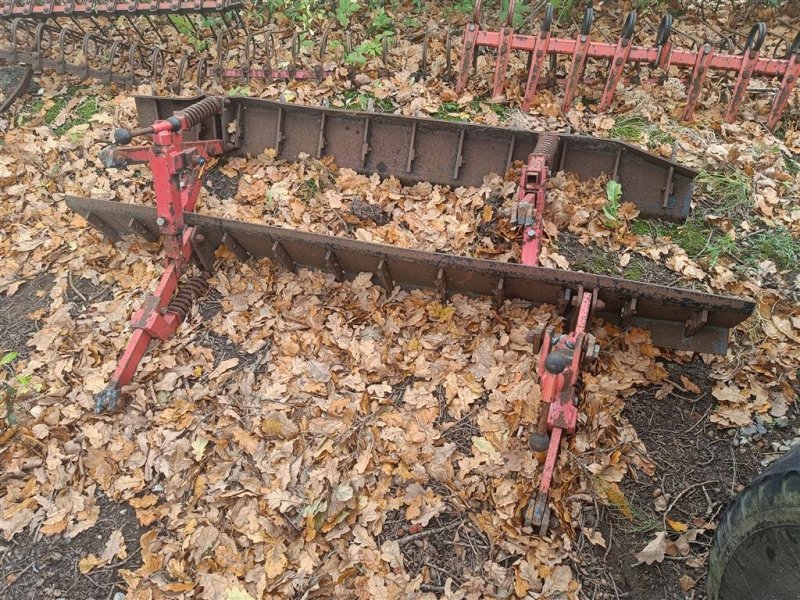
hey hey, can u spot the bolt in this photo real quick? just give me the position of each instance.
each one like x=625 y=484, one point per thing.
x=161 y=221
x=199 y=238
x=531 y=233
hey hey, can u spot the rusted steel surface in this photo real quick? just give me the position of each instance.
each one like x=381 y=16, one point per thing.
x=441 y=152
x=671 y=315
x=45 y=9
x=700 y=59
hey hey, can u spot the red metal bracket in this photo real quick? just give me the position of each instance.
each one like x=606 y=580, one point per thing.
x=177 y=173
x=537 y=59
x=749 y=59
x=788 y=84
x=699 y=75
x=528 y=210
x=503 y=52
x=579 y=55
x=618 y=62
x=468 y=49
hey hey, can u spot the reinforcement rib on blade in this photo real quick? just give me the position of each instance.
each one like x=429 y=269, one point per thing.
x=441 y=152
x=676 y=318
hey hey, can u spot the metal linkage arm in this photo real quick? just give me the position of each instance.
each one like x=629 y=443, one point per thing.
x=178 y=175
x=560 y=359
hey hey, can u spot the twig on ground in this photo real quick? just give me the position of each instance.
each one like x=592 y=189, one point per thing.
x=17 y=576
x=416 y=536
x=701 y=419
x=683 y=493
x=75 y=289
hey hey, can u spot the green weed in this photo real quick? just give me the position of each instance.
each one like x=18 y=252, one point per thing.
x=13 y=385
x=613 y=202
x=344 y=10
x=600 y=264
x=521 y=12
x=450 y=111
x=368 y=48
x=359 y=100
x=635 y=270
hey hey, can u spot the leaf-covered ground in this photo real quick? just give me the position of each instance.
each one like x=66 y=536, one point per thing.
x=300 y=437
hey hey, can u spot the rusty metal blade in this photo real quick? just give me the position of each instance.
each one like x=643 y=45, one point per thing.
x=441 y=152
x=668 y=313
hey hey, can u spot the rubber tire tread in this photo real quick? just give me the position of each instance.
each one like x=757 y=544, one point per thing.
x=743 y=563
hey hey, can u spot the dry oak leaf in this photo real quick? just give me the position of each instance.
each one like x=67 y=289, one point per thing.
x=275 y=560
x=686 y=583
x=654 y=551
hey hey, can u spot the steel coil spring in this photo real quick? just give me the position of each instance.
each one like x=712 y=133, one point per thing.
x=193 y=289
x=547 y=146
x=200 y=111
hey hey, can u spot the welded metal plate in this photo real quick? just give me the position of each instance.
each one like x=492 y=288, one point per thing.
x=441 y=152
x=663 y=311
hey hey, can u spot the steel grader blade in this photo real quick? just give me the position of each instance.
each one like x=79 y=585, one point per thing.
x=676 y=318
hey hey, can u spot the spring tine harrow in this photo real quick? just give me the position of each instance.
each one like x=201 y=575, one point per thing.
x=48 y=9
x=702 y=58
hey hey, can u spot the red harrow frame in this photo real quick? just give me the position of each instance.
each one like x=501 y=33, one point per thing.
x=663 y=56
x=184 y=134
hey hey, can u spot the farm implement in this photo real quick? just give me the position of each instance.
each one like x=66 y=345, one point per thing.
x=700 y=61
x=183 y=134
x=84 y=39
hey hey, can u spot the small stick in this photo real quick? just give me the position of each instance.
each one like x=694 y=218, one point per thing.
x=683 y=493
x=427 y=532
x=72 y=285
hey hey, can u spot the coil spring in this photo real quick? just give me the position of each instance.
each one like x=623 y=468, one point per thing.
x=182 y=302
x=547 y=146
x=200 y=111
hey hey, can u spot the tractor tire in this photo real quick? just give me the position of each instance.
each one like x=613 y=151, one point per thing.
x=756 y=550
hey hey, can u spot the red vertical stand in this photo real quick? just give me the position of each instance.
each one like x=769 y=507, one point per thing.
x=177 y=174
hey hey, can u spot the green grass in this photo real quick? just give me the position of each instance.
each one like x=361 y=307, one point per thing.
x=706 y=243
x=79 y=115
x=727 y=193
x=792 y=166
x=501 y=110
x=635 y=128
x=776 y=245
x=601 y=264
x=635 y=270
x=450 y=111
